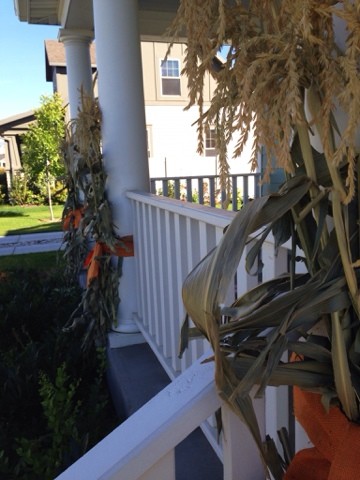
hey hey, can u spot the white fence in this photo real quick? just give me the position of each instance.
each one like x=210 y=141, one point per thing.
x=171 y=237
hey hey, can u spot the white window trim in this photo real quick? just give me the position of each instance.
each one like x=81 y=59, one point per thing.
x=165 y=77
x=210 y=151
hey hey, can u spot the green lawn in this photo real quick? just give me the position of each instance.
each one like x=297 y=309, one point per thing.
x=15 y=220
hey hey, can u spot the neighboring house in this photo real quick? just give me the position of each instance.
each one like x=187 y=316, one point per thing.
x=171 y=133
x=55 y=67
x=11 y=129
x=2 y=155
x=171 y=130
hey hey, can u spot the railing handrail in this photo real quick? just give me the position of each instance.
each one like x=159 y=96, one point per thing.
x=155 y=429
x=217 y=217
x=243 y=187
x=195 y=177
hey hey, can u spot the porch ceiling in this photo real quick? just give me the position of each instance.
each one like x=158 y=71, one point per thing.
x=154 y=15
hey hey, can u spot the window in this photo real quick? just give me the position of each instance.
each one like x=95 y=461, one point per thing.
x=170 y=77
x=210 y=142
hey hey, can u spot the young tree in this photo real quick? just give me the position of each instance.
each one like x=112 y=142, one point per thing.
x=41 y=145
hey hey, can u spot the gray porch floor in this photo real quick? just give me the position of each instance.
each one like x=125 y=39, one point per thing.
x=135 y=376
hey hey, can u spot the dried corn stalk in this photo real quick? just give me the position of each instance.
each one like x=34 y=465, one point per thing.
x=291 y=79
x=88 y=205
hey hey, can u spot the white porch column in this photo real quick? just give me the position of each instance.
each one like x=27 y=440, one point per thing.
x=78 y=65
x=121 y=100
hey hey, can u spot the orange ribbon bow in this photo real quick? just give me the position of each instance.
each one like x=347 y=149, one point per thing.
x=92 y=263
x=73 y=217
x=335 y=455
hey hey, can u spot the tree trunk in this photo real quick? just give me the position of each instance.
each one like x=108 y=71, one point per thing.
x=49 y=192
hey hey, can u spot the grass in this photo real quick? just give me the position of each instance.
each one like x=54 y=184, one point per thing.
x=40 y=261
x=34 y=219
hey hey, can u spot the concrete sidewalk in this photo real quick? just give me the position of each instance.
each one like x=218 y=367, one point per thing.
x=31 y=243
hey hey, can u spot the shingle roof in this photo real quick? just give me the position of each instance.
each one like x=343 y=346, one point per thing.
x=16 y=121
x=55 y=56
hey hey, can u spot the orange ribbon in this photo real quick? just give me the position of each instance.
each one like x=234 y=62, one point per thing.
x=92 y=263
x=73 y=217
x=125 y=249
x=335 y=455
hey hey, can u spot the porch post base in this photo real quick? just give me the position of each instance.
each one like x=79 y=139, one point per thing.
x=125 y=326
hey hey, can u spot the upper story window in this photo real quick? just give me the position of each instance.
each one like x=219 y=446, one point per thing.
x=210 y=142
x=170 y=77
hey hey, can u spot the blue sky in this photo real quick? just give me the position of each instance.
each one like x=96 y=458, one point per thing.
x=22 y=75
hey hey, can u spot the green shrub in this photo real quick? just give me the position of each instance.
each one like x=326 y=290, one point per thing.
x=3 y=186
x=24 y=191
x=170 y=189
x=47 y=454
x=3 y=195
x=239 y=200
x=54 y=403
x=21 y=193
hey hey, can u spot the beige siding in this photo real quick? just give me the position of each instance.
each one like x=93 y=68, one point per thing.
x=152 y=55
x=62 y=86
x=147 y=53
x=210 y=85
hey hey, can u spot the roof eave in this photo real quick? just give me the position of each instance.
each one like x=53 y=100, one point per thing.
x=45 y=13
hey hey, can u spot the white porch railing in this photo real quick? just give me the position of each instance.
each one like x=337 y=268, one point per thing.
x=171 y=237
x=142 y=448
x=206 y=189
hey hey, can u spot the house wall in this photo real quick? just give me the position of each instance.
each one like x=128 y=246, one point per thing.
x=152 y=55
x=2 y=155
x=61 y=87
x=172 y=135
x=172 y=141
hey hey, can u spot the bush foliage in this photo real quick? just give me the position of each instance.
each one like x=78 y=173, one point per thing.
x=54 y=403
